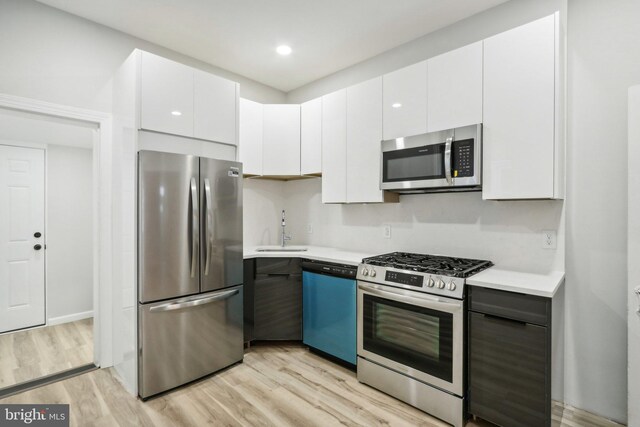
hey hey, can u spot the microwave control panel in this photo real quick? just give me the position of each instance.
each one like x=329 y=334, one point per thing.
x=462 y=158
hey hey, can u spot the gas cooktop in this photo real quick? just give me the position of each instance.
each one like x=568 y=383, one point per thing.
x=434 y=274
x=433 y=264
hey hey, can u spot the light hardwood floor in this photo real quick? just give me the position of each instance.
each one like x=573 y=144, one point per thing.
x=34 y=353
x=277 y=385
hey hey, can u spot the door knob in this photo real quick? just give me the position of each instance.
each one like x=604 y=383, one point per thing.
x=37 y=234
x=37 y=247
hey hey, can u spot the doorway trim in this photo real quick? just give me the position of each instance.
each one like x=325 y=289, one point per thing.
x=102 y=212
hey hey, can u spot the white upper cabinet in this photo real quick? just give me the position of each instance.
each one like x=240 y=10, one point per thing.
x=215 y=108
x=250 y=147
x=521 y=141
x=311 y=137
x=405 y=101
x=454 y=88
x=167 y=96
x=181 y=100
x=364 y=135
x=281 y=140
x=334 y=147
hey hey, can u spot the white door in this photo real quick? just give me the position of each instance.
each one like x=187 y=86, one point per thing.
x=21 y=217
x=281 y=140
x=405 y=101
x=334 y=147
x=311 y=137
x=633 y=257
x=519 y=112
x=250 y=146
x=364 y=133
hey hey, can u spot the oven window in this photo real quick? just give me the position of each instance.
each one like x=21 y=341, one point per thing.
x=412 y=164
x=414 y=336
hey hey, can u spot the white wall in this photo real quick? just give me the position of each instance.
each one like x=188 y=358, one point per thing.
x=603 y=61
x=477 y=27
x=54 y=56
x=458 y=224
x=634 y=253
x=263 y=201
x=69 y=233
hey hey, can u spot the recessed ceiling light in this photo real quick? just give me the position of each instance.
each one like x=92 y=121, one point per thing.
x=283 y=50
x=396 y=105
x=176 y=113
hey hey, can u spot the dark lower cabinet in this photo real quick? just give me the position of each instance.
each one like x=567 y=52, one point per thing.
x=277 y=305
x=509 y=358
x=249 y=288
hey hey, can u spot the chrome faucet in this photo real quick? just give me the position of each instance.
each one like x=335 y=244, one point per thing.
x=285 y=237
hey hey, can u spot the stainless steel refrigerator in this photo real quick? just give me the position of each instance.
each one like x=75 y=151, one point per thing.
x=190 y=271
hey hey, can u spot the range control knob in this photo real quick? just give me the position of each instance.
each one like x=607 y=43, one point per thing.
x=365 y=272
x=440 y=283
x=452 y=286
x=431 y=282
x=372 y=273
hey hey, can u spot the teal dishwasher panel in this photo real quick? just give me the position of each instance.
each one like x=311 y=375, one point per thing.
x=329 y=315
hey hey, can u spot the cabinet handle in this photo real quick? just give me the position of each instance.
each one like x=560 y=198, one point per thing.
x=494 y=317
x=447 y=160
x=279 y=274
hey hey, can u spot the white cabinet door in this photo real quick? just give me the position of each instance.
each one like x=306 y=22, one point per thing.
x=405 y=101
x=364 y=135
x=22 y=263
x=311 y=137
x=519 y=112
x=250 y=146
x=334 y=147
x=215 y=108
x=167 y=96
x=454 y=85
x=281 y=140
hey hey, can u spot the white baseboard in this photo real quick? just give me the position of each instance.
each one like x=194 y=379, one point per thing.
x=69 y=318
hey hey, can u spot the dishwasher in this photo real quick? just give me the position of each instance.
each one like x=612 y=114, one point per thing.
x=329 y=308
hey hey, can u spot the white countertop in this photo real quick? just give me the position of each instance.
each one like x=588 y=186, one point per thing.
x=318 y=253
x=544 y=285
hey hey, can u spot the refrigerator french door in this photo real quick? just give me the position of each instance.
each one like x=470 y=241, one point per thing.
x=190 y=268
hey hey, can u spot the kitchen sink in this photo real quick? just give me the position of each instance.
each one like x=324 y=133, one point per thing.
x=281 y=249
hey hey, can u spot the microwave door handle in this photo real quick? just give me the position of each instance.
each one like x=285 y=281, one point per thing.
x=447 y=160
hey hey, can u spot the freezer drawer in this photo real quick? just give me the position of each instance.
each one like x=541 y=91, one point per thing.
x=187 y=338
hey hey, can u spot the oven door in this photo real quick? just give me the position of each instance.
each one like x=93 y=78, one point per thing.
x=413 y=333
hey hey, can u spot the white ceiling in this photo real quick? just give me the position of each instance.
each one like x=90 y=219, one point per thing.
x=35 y=128
x=241 y=35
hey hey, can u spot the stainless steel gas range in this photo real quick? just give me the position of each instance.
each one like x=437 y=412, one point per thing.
x=411 y=329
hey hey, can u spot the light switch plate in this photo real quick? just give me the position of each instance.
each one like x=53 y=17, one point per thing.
x=310 y=228
x=386 y=231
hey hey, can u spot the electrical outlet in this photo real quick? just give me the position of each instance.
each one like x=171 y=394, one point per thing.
x=386 y=231
x=549 y=240
x=309 y=228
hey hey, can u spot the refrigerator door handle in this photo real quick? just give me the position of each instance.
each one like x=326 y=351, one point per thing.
x=195 y=232
x=195 y=302
x=209 y=224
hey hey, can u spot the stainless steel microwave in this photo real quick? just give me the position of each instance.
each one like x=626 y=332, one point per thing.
x=449 y=160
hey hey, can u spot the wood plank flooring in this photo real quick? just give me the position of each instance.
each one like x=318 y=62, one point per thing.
x=34 y=353
x=277 y=385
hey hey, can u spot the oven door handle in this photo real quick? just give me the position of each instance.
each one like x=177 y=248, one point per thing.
x=425 y=301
